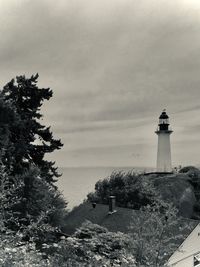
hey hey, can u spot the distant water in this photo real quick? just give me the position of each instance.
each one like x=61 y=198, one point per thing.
x=76 y=183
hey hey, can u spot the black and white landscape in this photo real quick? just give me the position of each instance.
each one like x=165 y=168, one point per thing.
x=99 y=133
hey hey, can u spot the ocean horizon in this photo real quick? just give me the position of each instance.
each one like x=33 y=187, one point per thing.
x=76 y=182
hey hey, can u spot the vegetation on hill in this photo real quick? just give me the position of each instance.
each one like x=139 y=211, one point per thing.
x=131 y=190
x=138 y=190
x=154 y=231
x=161 y=200
x=193 y=176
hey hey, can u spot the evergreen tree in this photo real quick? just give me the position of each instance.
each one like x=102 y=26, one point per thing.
x=30 y=140
x=26 y=178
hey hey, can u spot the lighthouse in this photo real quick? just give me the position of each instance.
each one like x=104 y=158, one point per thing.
x=164 y=149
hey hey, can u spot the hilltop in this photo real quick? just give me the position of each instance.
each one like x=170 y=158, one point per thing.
x=136 y=190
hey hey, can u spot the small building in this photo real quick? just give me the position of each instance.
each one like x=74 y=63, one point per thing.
x=188 y=253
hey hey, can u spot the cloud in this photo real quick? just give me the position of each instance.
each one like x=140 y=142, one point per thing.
x=113 y=66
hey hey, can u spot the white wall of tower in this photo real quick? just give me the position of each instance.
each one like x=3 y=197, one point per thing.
x=164 y=152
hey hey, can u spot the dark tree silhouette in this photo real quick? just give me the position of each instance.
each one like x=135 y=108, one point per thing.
x=24 y=142
x=29 y=138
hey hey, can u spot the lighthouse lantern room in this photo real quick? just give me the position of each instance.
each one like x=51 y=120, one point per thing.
x=164 y=149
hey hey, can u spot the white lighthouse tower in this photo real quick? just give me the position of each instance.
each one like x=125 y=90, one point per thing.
x=164 y=163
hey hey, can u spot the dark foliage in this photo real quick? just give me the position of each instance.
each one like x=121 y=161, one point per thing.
x=131 y=190
x=28 y=180
x=30 y=140
x=193 y=174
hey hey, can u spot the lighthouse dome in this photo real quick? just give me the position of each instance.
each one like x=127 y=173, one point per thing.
x=164 y=116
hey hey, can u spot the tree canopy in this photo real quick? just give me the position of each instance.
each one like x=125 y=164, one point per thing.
x=28 y=179
x=29 y=140
x=131 y=190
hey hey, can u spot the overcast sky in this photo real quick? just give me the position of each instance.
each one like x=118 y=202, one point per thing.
x=113 y=66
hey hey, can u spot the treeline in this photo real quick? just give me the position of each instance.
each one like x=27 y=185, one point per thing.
x=132 y=190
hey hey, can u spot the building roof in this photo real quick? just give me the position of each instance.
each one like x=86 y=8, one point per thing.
x=118 y=221
x=189 y=248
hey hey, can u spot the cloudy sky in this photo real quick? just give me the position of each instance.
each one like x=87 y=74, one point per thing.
x=113 y=66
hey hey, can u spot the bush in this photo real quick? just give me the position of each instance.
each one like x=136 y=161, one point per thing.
x=15 y=253
x=92 y=245
x=131 y=190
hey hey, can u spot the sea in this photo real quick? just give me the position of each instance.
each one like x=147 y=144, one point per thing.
x=76 y=182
